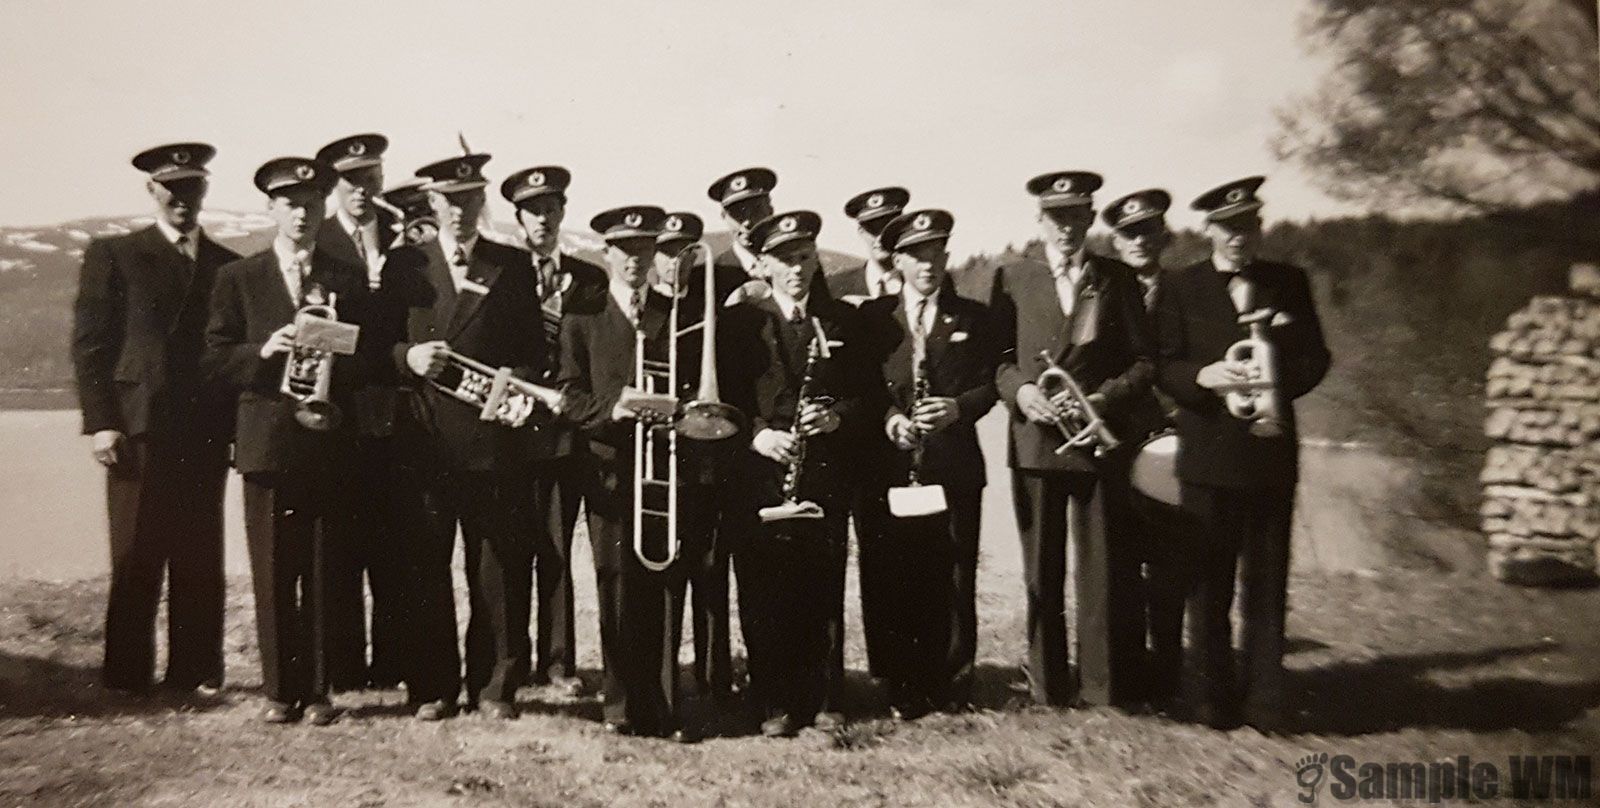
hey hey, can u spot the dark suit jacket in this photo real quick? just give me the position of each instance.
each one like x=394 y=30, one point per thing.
x=1197 y=322
x=499 y=328
x=961 y=360
x=1153 y=411
x=1106 y=347
x=583 y=293
x=597 y=361
x=852 y=281
x=332 y=238
x=138 y=332
x=249 y=303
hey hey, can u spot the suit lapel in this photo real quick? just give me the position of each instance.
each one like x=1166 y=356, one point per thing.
x=269 y=287
x=1217 y=298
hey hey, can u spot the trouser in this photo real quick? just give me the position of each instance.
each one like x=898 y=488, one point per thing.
x=485 y=506
x=919 y=595
x=791 y=591
x=294 y=523
x=558 y=488
x=1245 y=530
x=374 y=553
x=164 y=504
x=1108 y=631
x=1168 y=561
x=702 y=574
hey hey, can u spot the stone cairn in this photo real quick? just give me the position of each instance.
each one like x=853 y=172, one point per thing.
x=1541 y=480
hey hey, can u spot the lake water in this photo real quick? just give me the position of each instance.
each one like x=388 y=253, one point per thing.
x=53 y=521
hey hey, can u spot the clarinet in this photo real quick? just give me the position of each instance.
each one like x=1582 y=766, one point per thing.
x=792 y=507
x=919 y=391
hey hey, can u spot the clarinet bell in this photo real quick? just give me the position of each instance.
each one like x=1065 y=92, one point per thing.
x=786 y=511
x=908 y=501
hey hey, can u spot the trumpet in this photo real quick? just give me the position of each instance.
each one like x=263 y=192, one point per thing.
x=914 y=498
x=308 y=369
x=1257 y=399
x=501 y=397
x=1082 y=425
x=792 y=506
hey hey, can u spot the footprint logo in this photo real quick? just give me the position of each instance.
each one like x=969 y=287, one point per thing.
x=1308 y=774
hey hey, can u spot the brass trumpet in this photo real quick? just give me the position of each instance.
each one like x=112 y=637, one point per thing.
x=1082 y=425
x=1257 y=399
x=501 y=397
x=308 y=369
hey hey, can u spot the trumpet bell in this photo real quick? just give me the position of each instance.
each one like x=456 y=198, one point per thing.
x=917 y=500
x=785 y=511
x=318 y=416
x=708 y=420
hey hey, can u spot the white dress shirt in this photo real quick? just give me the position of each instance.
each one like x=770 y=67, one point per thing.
x=628 y=299
x=789 y=306
x=365 y=237
x=186 y=243
x=447 y=244
x=1239 y=287
x=1067 y=271
x=887 y=279
x=294 y=263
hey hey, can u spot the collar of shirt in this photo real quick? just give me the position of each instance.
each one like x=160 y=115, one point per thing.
x=1223 y=264
x=789 y=305
x=623 y=294
x=876 y=274
x=285 y=251
x=447 y=243
x=1060 y=262
x=351 y=226
x=172 y=235
x=912 y=297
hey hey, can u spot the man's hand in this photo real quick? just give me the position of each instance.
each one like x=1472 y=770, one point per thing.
x=934 y=413
x=902 y=432
x=1036 y=406
x=1223 y=375
x=427 y=359
x=280 y=342
x=106 y=444
x=817 y=419
x=774 y=445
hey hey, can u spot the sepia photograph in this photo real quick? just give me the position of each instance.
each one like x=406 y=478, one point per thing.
x=1038 y=403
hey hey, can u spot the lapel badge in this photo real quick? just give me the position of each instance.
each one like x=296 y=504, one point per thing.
x=315 y=295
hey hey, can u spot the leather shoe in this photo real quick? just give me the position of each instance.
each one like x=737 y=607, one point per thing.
x=434 y=710
x=276 y=712
x=321 y=713
x=778 y=726
x=497 y=710
x=684 y=736
x=828 y=720
x=618 y=728
x=568 y=687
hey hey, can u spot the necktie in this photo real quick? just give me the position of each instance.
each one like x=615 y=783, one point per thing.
x=635 y=307
x=1150 y=288
x=185 y=245
x=297 y=276
x=359 y=236
x=919 y=333
x=1066 y=291
x=458 y=266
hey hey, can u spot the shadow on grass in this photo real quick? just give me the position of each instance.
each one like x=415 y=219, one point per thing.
x=33 y=687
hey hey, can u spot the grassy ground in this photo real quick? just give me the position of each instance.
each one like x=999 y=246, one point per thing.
x=1403 y=666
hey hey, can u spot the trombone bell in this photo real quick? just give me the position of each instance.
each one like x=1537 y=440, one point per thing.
x=708 y=420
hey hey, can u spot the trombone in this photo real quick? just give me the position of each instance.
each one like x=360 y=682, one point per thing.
x=660 y=418
x=1082 y=425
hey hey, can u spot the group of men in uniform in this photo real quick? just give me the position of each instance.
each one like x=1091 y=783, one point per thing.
x=849 y=391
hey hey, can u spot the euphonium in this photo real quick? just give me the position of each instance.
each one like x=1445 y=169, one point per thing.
x=1257 y=399
x=914 y=498
x=308 y=369
x=501 y=397
x=792 y=507
x=1082 y=425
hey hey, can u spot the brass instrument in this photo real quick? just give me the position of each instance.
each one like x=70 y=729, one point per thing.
x=706 y=417
x=1154 y=473
x=308 y=369
x=792 y=507
x=1082 y=425
x=501 y=397
x=1257 y=399
x=914 y=498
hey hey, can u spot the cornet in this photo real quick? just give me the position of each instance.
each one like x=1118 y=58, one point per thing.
x=501 y=397
x=1256 y=400
x=792 y=506
x=308 y=369
x=1082 y=425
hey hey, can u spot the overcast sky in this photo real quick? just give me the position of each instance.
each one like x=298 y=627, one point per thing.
x=647 y=102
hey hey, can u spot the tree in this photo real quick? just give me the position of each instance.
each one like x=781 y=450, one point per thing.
x=1480 y=105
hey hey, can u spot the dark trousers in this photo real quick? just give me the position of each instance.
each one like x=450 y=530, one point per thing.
x=485 y=506
x=293 y=523
x=1243 y=529
x=375 y=554
x=919 y=595
x=791 y=591
x=1108 y=627
x=702 y=574
x=632 y=604
x=558 y=489
x=164 y=503
x=1168 y=568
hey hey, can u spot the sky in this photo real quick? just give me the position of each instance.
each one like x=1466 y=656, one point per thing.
x=648 y=101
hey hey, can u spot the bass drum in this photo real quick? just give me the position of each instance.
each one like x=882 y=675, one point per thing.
x=1155 y=469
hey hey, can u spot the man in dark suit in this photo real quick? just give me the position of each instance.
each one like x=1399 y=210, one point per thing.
x=1082 y=311
x=791 y=570
x=745 y=199
x=1139 y=234
x=297 y=497
x=477 y=299
x=159 y=429
x=598 y=367
x=1237 y=475
x=361 y=232
x=876 y=277
x=566 y=284
x=919 y=573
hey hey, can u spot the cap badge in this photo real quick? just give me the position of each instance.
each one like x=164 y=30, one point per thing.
x=358 y=148
x=674 y=223
x=788 y=224
x=922 y=222
x=633 y=220
x=1132 y=207
x=304 y=171
x=1062 y=184
x=1235 y=195
x=738 y=183
x=536 y=178
x=875 y=201
x=180 y=157
x=463 y=170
